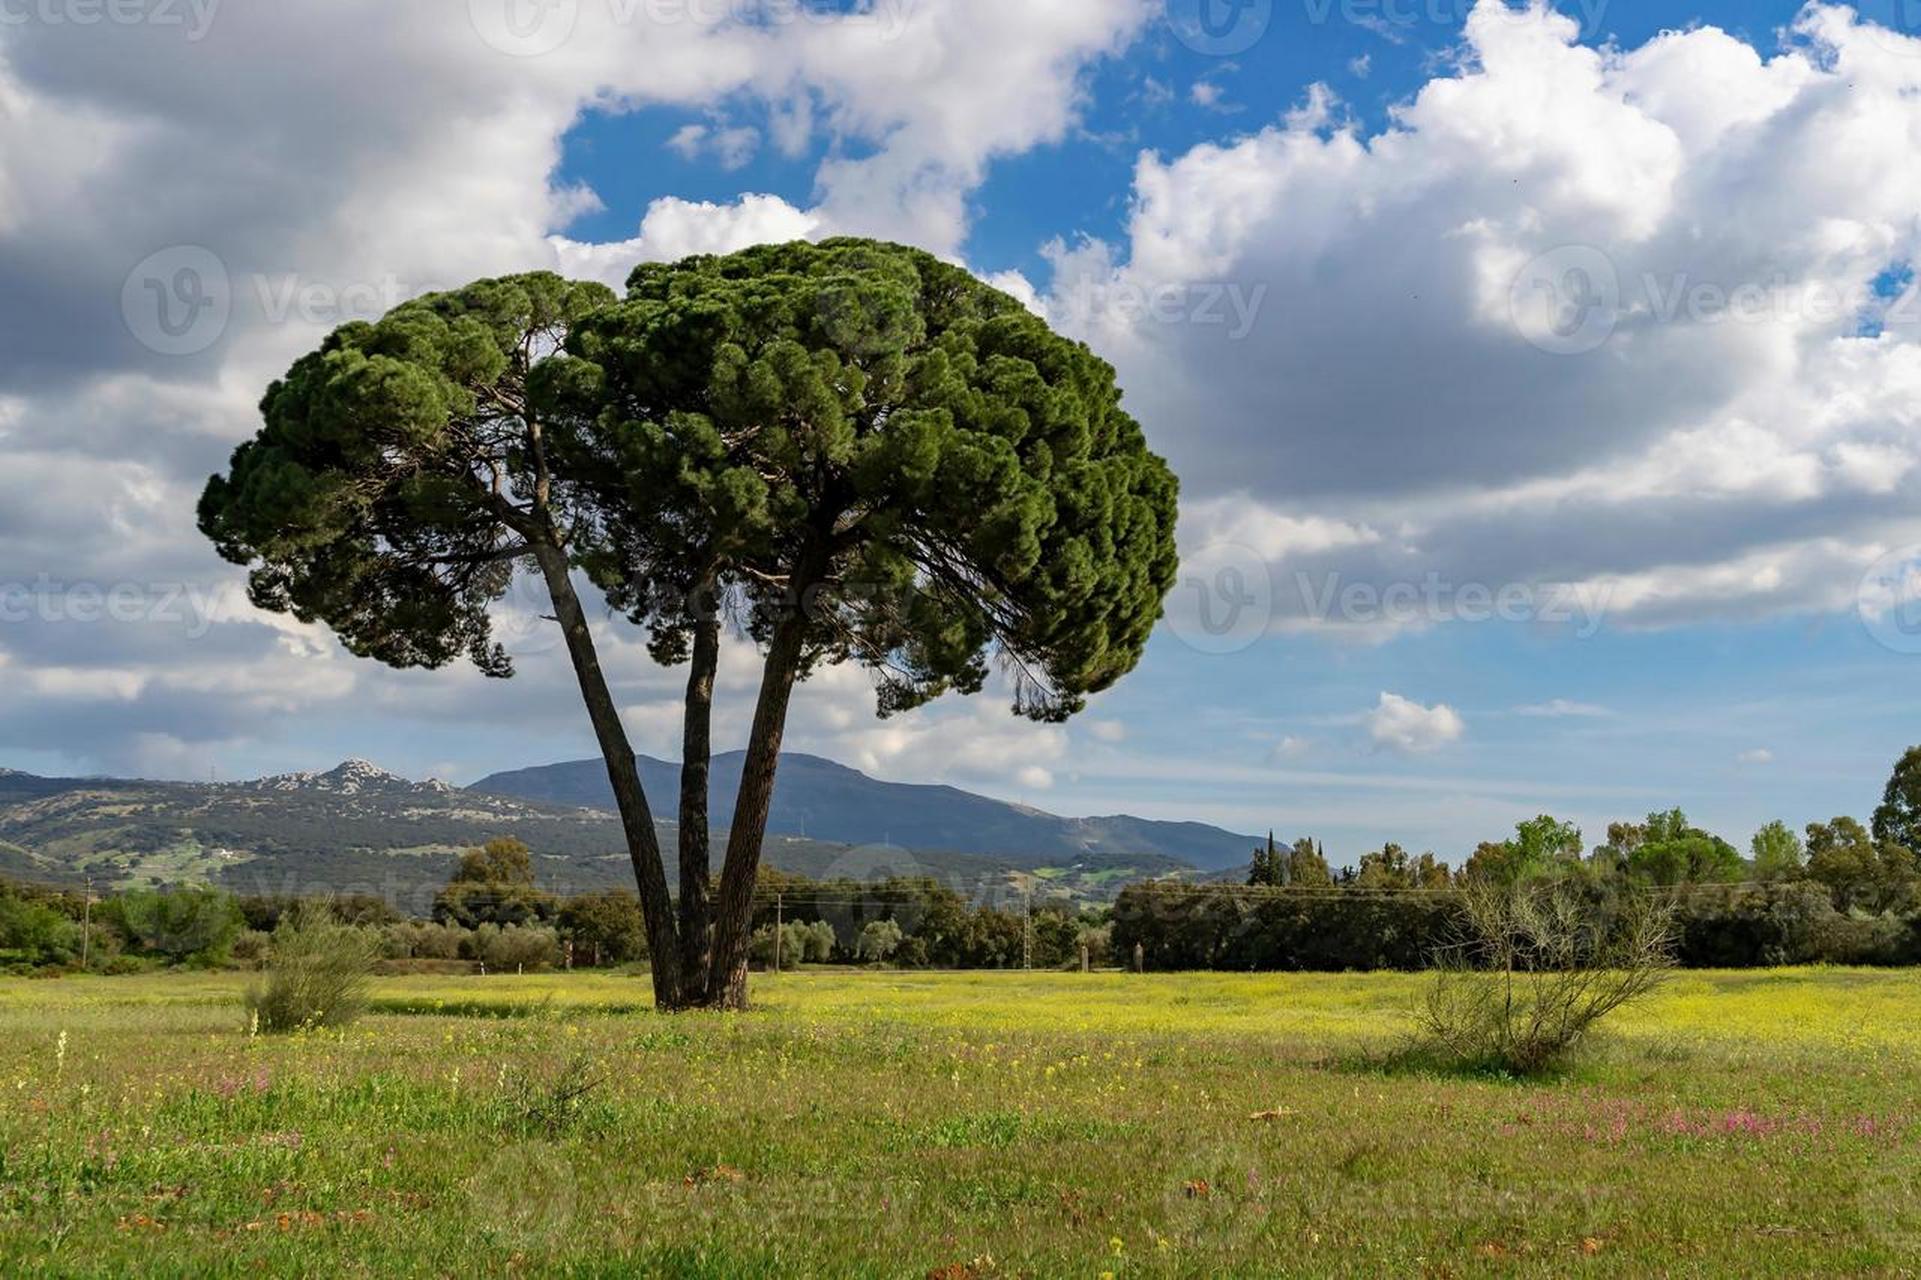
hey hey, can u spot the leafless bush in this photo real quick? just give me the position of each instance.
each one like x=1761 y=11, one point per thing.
x=1541 y=965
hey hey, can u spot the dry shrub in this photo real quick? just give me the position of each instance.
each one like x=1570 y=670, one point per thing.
x=1541 y=965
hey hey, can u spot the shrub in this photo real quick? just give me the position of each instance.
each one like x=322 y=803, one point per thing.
x=251 y=947
x=799 y=943
x=180 y=925
x=317 y=974
x=1542 y=964
x=516 y=947
x=879 y=939
x=605 y=927
x=424 y=941
x=36 y=932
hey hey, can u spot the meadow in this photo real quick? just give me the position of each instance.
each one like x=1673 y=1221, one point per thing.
x=950 y=1125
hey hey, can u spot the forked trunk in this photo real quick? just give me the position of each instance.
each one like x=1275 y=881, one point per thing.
x=696 y=915
x=734 y=906
x=636 y=819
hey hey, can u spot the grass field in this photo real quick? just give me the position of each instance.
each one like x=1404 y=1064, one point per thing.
x=1758 y=1123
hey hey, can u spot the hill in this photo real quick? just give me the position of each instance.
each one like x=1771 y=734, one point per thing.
x=823 y=800
x=359 y=829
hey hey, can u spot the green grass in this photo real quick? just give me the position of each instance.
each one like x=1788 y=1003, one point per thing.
x=990 y=1124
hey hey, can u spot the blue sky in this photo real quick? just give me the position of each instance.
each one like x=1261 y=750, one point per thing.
x=1705 y=522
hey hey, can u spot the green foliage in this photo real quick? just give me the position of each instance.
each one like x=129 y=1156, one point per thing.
x=417 y=941
x=1778 y=854
x=513 y=948
x=1666 y=850
x=494 y=884
x=36 y=932
x=500 y=862
x=879 y=940
x=876 y=438
x=375 y=496
x=1861 y=872
x=1270 y=865
x=1391 y=867
x=1897 y=819
x=317 y=974
x=1306 y=865
x=1540 y=846
x=801 y=942
x=194 y=926
x=606 y=928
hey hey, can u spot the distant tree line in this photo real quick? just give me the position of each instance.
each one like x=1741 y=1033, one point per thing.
x=1846 y=893
x=492 y=914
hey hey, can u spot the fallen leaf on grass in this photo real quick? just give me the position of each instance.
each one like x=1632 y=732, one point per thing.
x=719 y=1173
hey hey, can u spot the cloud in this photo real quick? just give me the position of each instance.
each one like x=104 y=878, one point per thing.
x=731 y=148
x=1515 y=338
x=1290 y=747
x=1398 y=724
x=318 y=162
x=1108 y=730
x=1758 y=756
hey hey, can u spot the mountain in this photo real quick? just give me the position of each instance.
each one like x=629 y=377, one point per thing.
x=357 y=828
x=823 y=800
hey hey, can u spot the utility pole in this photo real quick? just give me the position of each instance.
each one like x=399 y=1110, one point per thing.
x=779 y=901
x=1027 y=932
x=86 y=925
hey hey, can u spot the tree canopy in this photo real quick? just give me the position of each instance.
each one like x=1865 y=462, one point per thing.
x=853 y=450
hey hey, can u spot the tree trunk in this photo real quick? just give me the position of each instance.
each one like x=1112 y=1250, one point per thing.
x=734 y=908
x=636 y=819
x=696 y=914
